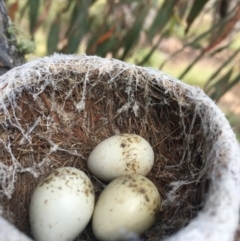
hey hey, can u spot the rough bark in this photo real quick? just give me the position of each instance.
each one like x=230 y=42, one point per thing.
x=10 y=56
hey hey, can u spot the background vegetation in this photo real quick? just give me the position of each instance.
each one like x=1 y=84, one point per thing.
x=195 y=41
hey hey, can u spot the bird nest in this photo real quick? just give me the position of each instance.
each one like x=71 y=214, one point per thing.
x=55 y=110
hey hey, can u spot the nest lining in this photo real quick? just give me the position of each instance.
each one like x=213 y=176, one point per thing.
x=54 y=111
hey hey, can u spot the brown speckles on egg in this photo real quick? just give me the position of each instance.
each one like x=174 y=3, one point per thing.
x=129 y=140
x=124 y=181
x=56 y=173
x=86 y=192
x=92 y=191
x=132 y=165
x=146 y=198
x=138 y=140
x=134 y=185
x=122 y=145
x=76 y=191
x=142 y=190
x=132 y=154
x=48 y=180
x=132 y=200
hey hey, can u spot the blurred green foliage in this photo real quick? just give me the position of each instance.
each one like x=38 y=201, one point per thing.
x=234 y=122
x=132 y=30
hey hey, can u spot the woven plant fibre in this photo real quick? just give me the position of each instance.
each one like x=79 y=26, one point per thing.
x=55 y=110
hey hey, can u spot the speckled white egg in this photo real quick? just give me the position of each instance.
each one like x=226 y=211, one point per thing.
x=121 y=155
x=127 y=207
x=61 y=205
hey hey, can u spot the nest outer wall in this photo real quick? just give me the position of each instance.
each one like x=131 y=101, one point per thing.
x=55 y=110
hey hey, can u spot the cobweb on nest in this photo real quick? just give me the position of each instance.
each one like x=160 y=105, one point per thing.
x=54 y=111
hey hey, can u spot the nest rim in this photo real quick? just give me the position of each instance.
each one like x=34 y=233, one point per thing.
x=225 y=173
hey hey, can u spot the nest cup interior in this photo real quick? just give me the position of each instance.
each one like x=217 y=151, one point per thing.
x=59 y=109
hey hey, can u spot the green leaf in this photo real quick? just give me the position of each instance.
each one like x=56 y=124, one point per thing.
x=218 y=71
x=23 y=10
x=151 y=51
x=182 y=9
x=222 y=48
x=218 y=89
x=67 y=6
x=216 y=96
x=78 y=26
x=33 y=14
x=235 y=81
x=197 y=7
x=190 y=66
x=219 y=49
x=190 y=44
x=128 y=1
x=103 y=41
x=133 y=34
x=162 y=18
x=53 y=37
x=106 y=47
